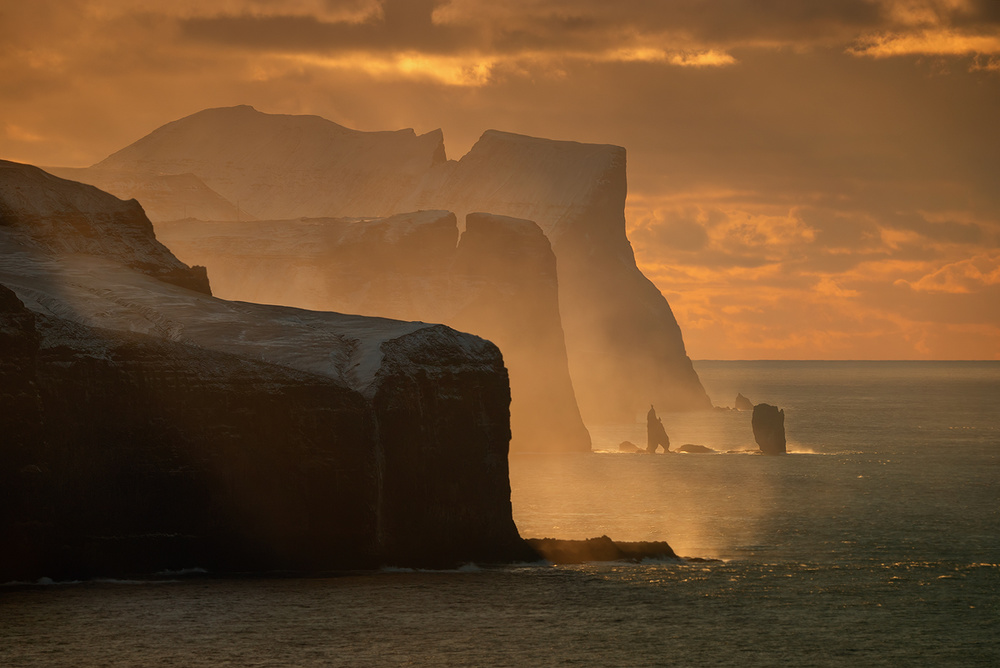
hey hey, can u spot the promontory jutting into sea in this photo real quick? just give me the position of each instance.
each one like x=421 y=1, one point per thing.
x=268 y=345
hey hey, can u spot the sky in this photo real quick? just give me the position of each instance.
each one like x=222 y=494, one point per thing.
x=807 y=180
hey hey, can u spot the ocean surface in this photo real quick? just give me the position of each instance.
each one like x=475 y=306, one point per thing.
x=876 y=542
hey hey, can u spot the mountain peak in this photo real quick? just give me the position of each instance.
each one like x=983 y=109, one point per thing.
x=279 y=165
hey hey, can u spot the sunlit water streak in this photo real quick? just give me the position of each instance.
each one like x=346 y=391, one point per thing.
x=876 y=543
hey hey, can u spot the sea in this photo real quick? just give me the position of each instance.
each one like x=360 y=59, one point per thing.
x=874 y=542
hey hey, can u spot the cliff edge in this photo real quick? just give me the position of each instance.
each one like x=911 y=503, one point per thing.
x=497 y=280
x=161 y=428
x=624 y=345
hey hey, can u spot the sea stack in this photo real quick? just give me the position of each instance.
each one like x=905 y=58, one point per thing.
x=768 y=424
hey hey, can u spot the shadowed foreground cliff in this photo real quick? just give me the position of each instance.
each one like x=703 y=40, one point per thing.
x=148 y=426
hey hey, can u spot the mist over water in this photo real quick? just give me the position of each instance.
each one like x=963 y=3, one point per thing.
x=874 y=543
x=885 y=458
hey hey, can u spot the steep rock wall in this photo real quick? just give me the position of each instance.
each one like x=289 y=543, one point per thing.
x=146 y=455
x=159 y=427
x=625 y=347
x=505 y=287
x=498 y=282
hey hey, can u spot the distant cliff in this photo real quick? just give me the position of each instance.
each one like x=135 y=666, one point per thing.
x=149 y=426
x=498 y=281
x=624 y=346
x=281 y=166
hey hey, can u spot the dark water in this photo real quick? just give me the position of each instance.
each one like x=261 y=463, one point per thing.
x=876 y=542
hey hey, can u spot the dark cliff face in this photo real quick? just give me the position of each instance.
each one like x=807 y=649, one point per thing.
x=434 y=416
x=143 y=455
x=130 y=454
x=499 y=282
x=233 y=437
x=768 y=423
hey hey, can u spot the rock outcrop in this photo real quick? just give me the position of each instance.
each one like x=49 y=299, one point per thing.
x=558 y=551
x=498 y=281
x=768 y=424
x=628 y=446
x=656 y=433
x=153 y=426
x=624 y=345
x=696 y=449
x=56 y=217
x=742 y=403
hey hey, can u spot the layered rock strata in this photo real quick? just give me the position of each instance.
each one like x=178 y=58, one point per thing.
x=152 y=426
x=558 y=551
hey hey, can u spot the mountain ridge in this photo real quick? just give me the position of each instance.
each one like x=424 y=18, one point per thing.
x=625 y=347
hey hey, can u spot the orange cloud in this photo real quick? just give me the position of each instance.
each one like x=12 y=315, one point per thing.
x=762 y=282
x=695 y=58
x=961 y=277
x=448 y=70
x=348 y=11
x=17 y=133
x=789 y=188
x=938 y=42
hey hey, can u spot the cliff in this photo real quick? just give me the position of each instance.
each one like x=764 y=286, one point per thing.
x=157 y=427
x=64 y=217
x=163 y=196
x=282 y=166
x=624 y=345
x=498 y=281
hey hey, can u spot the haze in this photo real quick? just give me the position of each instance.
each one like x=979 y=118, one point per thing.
x=806 y=180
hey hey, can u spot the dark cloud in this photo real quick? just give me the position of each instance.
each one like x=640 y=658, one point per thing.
x=401 y=25
x=531 y=27
x=724 y=22
x=842 y=231
x=947 y=232
x=680 y=231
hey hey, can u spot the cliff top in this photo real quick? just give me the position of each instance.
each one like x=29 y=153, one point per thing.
x=247 y=138
x=64 y=216
x=77 y=253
